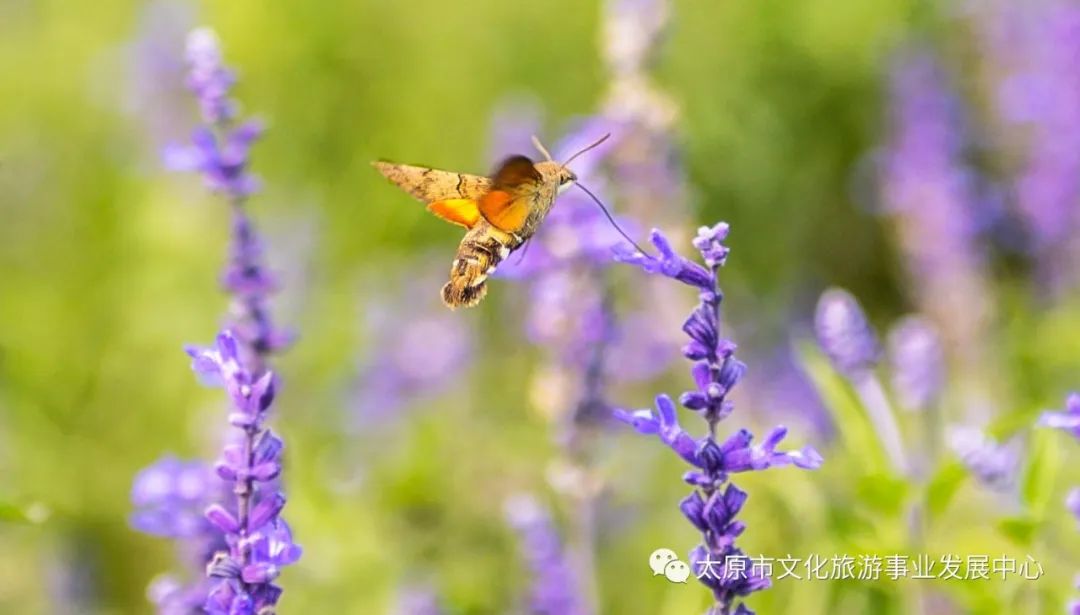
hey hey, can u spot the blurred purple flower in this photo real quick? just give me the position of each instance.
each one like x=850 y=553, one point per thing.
x=570 y=311
x=170 y=596
x=154 y=72
x=851 y=344
x=247 y=278
x=570 y=315
x=169 y=497
x=844 y=333
x=918 y=366
x=417 y=599
x=712 y=507
x=1037 y=48
x=643 y=168
x=223 y=160
x=1072 y=502
x=208 y=77
x=220 y=149
x=555 y=588
x=632 y=30
x=645 y=163
x=1066 y=420
x=780 y=388
x=637 y=351
x=936 y=200
x=419 y=350
x=995 y=465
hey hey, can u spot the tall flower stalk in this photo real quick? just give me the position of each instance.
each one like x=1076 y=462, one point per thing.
x=939 y=207
x=715 y=502
x=571 y=318
x=571 y=315
x=555 y=587
x=852 y=346
x=1033 y=50
x=259 y=540
x=933 y=197
x=220 y=151
x=255 y=542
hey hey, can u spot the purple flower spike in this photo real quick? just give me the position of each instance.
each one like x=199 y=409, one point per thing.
x=555 y=589
x=239 y=538
x=1038 y=94
x=714 y=504
x=259 y=541
x=669 y=264
x=935 y=198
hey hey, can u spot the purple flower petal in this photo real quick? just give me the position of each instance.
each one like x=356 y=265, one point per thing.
x=223 y=519
x=267 y=510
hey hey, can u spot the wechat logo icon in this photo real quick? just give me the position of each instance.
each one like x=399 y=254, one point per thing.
x=665 y=562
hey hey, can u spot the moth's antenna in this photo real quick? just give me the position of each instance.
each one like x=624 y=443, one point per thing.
x=606 y=213
x=540 y=146
x=585 y=149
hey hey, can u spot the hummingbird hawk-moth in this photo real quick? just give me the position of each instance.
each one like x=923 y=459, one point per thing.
x=500 y=213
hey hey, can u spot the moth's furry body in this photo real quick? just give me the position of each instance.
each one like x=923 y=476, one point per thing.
x=501 y=213
x=479 y=253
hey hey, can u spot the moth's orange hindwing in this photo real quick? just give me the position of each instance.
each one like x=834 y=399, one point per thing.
x=463 y=212
x=514 y=187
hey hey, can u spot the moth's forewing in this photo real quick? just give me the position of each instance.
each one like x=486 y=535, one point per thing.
x=512 y=196
x=430 y=185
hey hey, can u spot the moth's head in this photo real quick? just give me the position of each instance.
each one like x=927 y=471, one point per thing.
x=565 y=176
x=562 y=171
x=555 y=174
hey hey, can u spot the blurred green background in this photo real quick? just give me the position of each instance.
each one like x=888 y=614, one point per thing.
x=108 y=265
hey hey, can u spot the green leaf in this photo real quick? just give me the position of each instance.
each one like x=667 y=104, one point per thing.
x=14 y=513
x=883 y=493
x=942 y=486
x=1040 y=472
x=856 y=432
x=1019 y=529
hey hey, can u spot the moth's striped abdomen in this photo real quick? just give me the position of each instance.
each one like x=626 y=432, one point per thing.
x=478 y=254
